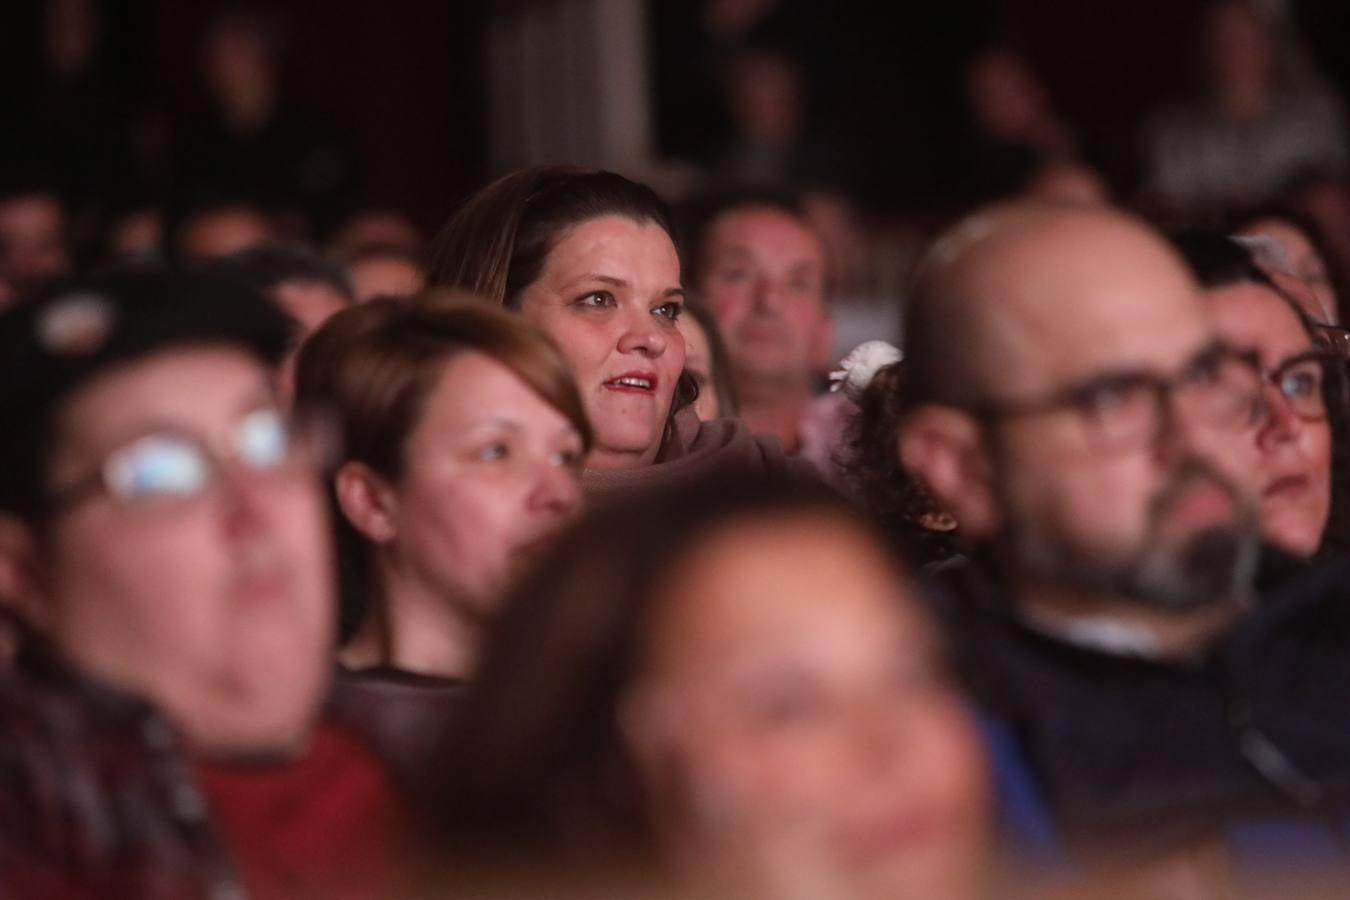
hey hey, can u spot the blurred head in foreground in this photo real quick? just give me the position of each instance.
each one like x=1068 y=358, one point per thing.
x=1069 y=398
x=729 y=690
x=160 y=521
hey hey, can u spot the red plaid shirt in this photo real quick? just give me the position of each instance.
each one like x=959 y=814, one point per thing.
x=99 y=800
x=96 y=797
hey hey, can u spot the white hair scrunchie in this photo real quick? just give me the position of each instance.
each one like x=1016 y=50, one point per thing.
x=857 y=370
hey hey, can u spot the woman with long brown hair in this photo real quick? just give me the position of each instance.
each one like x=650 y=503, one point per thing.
x=590 y=257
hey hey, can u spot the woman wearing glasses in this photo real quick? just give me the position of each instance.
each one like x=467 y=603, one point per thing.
x=1305 y=390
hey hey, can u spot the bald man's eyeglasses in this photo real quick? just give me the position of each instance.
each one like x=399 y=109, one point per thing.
x=1220 y=388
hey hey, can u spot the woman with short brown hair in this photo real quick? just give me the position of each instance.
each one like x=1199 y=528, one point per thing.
x=462 y=437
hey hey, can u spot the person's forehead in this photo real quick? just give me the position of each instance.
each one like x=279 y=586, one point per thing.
x=472 y=385
x=30 y=208
x=755 y=580
x=614 y=240
x=308 y=300
x=1071 y=309
x=1252 y=316
x=196 y=388
x=758 y=225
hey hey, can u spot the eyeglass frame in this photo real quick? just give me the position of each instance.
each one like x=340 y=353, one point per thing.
x=1076 y=398
x=215 y=450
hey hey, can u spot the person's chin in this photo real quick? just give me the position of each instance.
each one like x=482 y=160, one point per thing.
x=1295 y=531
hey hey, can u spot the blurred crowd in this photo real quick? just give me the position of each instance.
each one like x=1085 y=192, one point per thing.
x=564 y=553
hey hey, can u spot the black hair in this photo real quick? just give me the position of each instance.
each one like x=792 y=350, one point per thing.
x=1217 y=260
x=1311 y=230
x=136 y=313
x=271 y=265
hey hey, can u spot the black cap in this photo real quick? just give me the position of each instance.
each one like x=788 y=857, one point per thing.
x=59 y=339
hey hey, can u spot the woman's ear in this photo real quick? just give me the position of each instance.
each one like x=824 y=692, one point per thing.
x=20 y=584
x=941 y=447
x=367 y=500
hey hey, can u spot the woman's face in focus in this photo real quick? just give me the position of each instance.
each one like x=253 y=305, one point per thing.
x=489 y=478
x=795 y=727
x=609 y=295
x=699 y=364
x=1293 y=474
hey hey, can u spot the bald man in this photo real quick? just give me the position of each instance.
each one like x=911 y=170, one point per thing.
x=1071 y=405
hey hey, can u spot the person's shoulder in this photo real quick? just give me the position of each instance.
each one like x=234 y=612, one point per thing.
x=43 y=695
x=1308 y=597
x=94 y=792
x=716 y=443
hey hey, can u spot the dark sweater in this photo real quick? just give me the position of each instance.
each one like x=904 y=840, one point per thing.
x=1124 y=747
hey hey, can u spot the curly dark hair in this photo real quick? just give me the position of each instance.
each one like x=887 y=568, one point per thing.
x=891 y=496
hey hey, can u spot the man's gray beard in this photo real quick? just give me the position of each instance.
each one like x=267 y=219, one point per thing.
x=1214 y=567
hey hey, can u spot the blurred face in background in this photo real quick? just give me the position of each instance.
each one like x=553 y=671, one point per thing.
x=698 y=362
x=189 y=561
x=136 y=237
x=309 y=304
x=224 y=231
x=764 y=96
x=239 y=68
x=32 y=241
x=609 y=294
x=795 y=728
x=376 y=274
x=765 y=281
x=375 y=229
x=1293 y=465
x=1239 y=51
x=1006 y=101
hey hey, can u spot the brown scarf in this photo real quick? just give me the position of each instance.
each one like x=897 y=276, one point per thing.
x=693 y=450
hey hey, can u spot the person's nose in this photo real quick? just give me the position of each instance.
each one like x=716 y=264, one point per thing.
x=556 y=491
x=767 y=295
x=246 y=497
x=642 y=335
x=1282 y=424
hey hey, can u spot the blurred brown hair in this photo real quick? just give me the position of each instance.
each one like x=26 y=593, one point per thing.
x=871 y=464
x=496 y=244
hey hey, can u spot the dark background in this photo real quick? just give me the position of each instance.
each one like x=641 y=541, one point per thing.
x=402 y=79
